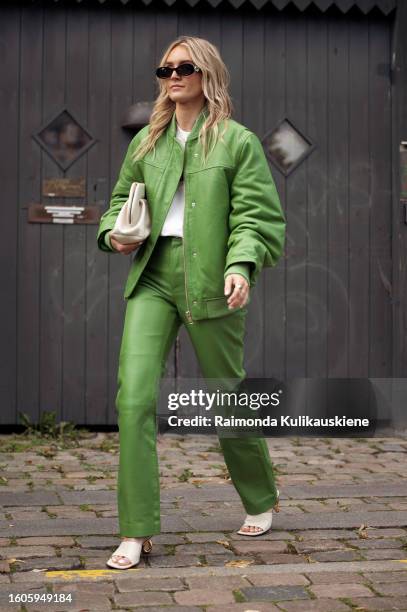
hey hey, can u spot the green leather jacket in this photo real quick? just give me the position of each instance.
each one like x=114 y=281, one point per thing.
x=233 y=220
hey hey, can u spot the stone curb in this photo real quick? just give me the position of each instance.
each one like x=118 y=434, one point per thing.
x=171 y=572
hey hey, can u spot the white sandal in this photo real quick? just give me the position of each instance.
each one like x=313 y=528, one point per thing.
x=131 y=550
x=262 y=521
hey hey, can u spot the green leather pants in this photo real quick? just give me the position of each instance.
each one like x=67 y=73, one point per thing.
x=153 y=316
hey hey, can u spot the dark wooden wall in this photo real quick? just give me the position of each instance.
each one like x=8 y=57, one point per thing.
x=324 y=311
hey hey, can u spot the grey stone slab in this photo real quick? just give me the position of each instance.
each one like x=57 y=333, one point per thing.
x=149 y=598
x=337 y=555
x=169 y=538
x=30 y=587
x=380 y=604
x=22 y=552
x=126 y=585
x=205 y=537
x=204 y=548
x=97 y=541
x=76 y=498
x=173 y=560
x=80 y=526
x=29 y=498
x=50 y=563
x=376 y=489
x=274 y=593
x=323 y=520
x=224 y=492
x=207 y=523
x=333 y=520
x=52 y=527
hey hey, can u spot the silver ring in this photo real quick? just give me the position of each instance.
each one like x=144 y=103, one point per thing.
x=239 y=286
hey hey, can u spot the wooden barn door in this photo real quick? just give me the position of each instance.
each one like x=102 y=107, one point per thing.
x=323 y=311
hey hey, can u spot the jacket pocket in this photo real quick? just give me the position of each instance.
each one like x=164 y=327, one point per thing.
x=217 y=307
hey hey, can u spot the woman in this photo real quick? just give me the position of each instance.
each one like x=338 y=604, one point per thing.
x=216 y=221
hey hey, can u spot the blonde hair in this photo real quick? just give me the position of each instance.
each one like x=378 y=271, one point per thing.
x=215 y=81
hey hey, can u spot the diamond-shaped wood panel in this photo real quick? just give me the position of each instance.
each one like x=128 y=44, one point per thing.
x=286 y=146
x=64 y=139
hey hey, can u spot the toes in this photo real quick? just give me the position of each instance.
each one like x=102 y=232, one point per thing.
x=120 y=560
x=250 y=528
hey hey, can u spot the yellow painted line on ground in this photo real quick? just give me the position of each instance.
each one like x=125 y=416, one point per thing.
x=86 y=574
x=402 y=560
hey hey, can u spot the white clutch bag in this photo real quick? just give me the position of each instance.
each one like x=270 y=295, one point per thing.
x=133 y=223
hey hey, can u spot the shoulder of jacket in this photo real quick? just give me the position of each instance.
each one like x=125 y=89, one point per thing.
x=137 y=138
x=239 y=133
x=237 y=128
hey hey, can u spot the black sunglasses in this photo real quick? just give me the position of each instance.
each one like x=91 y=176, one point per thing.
x=165 y=72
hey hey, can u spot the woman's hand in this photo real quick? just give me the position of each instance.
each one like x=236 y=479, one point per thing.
x=237 y=286
x=125 y=249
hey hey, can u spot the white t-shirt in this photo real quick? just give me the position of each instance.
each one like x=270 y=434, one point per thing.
x=173 y=224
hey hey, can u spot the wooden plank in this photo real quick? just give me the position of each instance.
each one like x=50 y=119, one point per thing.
x=210 y=26
x=359 y=206
x=9 y=253
x=338 y=203
x=317 y=195
x=133 y=36
x=52 y=237
x=253 y=105
x=274 y=278
x=74 y=347
x=399 y=242
x=188 y=21
x=380 y=320
x=296 y=194
x=359 y=200
x=97 y=310
x=232 y=54
x=29 y=235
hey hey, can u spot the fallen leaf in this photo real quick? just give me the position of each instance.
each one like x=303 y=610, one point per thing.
x=362 y=531
x=239 y=563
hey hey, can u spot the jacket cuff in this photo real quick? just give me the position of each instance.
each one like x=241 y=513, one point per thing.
x=104 y=242
x=107 y=240
x=242 y=268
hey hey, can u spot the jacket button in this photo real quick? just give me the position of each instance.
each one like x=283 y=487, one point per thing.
x=195 y=302
x=194 y=253
x=193 y=204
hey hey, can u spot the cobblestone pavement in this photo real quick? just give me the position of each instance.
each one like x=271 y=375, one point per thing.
x=338 y=543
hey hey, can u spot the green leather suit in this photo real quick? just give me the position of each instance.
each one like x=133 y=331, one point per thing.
x=233 y=222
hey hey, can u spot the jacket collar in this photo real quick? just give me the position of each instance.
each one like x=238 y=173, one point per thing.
x=199 y=121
